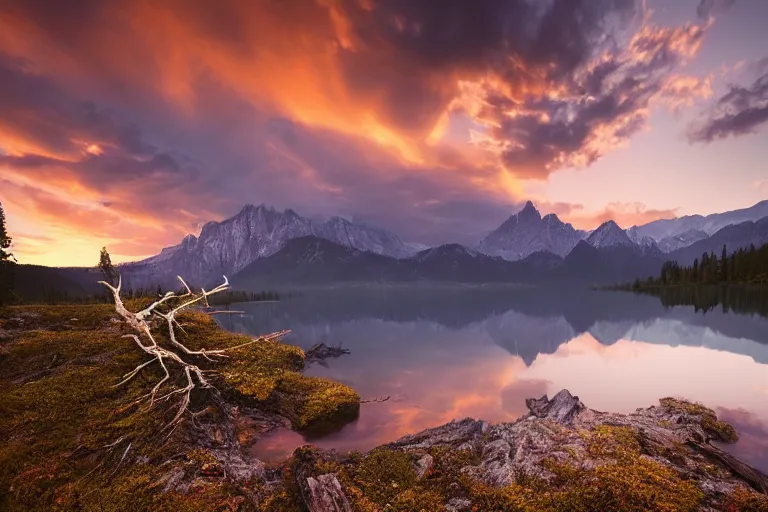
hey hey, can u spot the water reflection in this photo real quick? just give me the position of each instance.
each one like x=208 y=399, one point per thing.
x=448 y=355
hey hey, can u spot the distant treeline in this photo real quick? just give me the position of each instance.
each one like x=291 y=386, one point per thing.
x=230 y=296
x=742 y=266
x=735 y=282
x=53 y=296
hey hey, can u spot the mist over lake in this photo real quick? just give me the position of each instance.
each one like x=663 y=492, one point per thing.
x=446 y=353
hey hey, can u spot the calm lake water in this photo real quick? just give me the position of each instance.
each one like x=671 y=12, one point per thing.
x=444 y=354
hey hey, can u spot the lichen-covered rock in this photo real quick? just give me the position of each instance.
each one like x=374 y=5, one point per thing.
x=458 y=505
x=325 y=495
x=454 y=434
x=423 y=465
x=562 y=435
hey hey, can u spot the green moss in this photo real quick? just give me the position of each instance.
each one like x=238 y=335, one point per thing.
x=621 y=481
x=383 y=474
x=745 y=500
x=269 y=372
x=628 y=486
x=412 y=500
x=719 y=430
x=280 y=502
x=66 y=427
x=315 y=404
x=617 y=442
x=512 y=498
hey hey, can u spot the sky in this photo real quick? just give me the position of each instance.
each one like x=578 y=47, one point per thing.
x=130 y=123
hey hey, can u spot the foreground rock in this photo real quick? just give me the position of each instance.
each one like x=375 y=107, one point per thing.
x=560 y=456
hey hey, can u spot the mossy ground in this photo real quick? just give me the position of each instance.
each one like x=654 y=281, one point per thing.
x=719 y=430
x=65 y=426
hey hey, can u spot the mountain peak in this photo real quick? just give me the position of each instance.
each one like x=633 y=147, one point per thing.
x=445 y=250
x=250 y=208
x=551 y=219
x=529 y=211
x=338 y=220
x=526 y=232
x=609 y=234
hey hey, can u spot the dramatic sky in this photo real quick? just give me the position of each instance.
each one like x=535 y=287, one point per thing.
x=129 y=123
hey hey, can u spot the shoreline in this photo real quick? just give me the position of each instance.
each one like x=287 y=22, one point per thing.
x=97 y=447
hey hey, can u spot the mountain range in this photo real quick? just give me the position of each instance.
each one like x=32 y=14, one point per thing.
x=266 y=246
x=224 y=248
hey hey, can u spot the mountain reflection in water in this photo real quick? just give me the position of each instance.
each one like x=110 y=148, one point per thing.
x=448 y=354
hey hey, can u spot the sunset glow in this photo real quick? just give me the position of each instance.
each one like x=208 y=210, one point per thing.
x=132 y=123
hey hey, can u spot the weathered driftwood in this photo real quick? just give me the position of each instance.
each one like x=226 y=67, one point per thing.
x=162 y=309
x=319 y=352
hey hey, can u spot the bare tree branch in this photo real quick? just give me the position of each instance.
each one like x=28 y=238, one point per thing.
x=374 y=400
x=139 y=322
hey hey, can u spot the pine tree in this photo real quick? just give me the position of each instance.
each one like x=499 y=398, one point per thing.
x=109 y=271
x=724 y=265
x=7 y=262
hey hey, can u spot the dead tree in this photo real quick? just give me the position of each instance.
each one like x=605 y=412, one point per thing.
x=166 y=309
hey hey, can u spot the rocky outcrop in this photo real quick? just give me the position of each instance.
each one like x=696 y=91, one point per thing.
x=562 y=408
x=677 y=433
x=562 y=455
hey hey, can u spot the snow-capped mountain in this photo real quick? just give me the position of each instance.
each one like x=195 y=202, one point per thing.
x=649 y=247
x=224 y=248
x=362 y=237
x=710 y=224
x=527 y=232
x=609 y=234
x=690 y=237
x=733 y=237
x=541 y=245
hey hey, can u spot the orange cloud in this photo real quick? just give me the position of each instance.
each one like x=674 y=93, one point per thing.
x=625 y=215
x=155 y=108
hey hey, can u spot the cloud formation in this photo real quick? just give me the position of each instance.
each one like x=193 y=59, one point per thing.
x=149 y=118
x=708 y=8
x=741 y=110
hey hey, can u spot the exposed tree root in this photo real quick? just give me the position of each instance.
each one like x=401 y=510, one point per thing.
x=139 y=322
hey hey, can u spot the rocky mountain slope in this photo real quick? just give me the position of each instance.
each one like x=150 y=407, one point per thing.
x=224 y=248
x=733 y=237
x=526 y=232
x=607 y=264
x=609 y=234
x=690 y=237
x=710 y=224
x=313 y=260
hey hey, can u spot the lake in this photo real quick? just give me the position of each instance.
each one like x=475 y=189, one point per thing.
x=449 y=353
